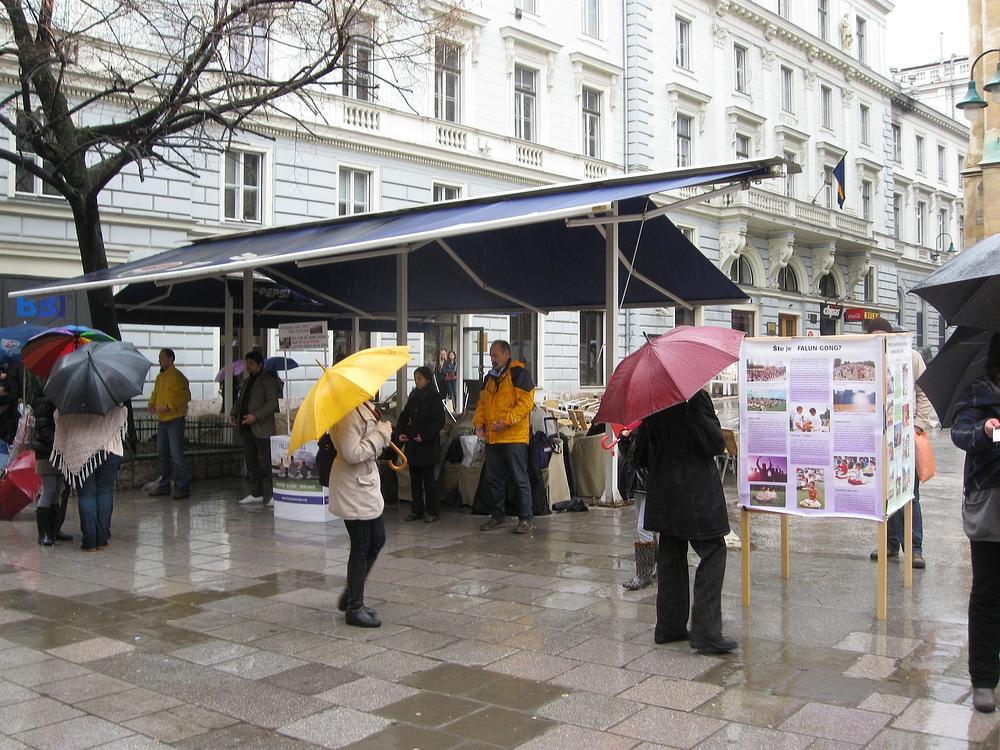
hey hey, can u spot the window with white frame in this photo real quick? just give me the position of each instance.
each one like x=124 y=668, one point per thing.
x=243 y=175
x=822 y=20
x=443 y=192
x=684 y=150
x=897 y=143
x=920 y=153
x=591 y=347
x=826 y=107
x=26 y=182
x=592 y=18
x=864 y=124
x=525 y=114
x=688 y=233
x=789 y=178
x=682 y=42
x=528 y=6
x=961 y=166
x=248 y=50
x=783 y=8
x=869 y=288
x=359 y=80
x=355 y=191
x=897 y=207
x=741 y=271
x=447 y=81
x=921 y=213
x=866 y=200
x=942 y=228
x=787 y=82
x=742 y=146
x=740 y=68
x=861 y=27
x=941 y=153
x=961 y=229
x=590 y=102
x=788 y=281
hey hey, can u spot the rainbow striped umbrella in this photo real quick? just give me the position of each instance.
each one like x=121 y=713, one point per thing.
x=41 y=352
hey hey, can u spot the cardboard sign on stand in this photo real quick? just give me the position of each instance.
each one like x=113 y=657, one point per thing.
x=298 y=494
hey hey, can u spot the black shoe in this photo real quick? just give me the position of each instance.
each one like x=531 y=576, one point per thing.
x=159 y=491
x=59 y=536
x=432 y=518
x=716 y=647
x=43 y=518
x=414 y=517
x=362 y=617
x=873 y=555
x=918 y=560
x=493 y=523
x=181 y=494
x=342 y=601
x=56 y=516
x=671 y=637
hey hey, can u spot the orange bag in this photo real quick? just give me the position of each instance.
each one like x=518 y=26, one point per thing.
x=924 y=457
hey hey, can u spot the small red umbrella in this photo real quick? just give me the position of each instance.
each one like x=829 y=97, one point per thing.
x=19 y=485
x=41 y=352
x=666 y=371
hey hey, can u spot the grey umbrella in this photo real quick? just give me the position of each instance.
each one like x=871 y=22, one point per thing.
x=961 y=360
x=966 y=288
x=96 y=378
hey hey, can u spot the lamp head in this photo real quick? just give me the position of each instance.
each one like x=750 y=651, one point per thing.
x=993 y=86
x=973 y=104
x=951 y=248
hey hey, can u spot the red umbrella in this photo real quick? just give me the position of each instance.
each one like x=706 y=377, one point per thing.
x=41 y=352
x=666 y=371
x=19 y=485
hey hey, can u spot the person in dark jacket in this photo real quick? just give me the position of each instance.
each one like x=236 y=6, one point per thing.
x=49 y=510
x=9 y=418
x=977 y=417
x=419 y=431
x=686 y=505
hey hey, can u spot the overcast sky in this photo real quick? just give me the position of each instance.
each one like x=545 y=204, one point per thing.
x=916 y=26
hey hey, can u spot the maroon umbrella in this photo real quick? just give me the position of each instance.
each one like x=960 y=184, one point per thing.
x=666 y=371
x=19 y=485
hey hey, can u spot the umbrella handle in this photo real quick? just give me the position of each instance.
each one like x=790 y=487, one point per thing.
x=609 y=443
x=403 y=462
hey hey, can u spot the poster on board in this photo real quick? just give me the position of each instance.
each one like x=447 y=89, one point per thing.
x=814 y=434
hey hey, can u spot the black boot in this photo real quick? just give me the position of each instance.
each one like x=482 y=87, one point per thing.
x=359 y=615
x=42 y=516
x=59 y=516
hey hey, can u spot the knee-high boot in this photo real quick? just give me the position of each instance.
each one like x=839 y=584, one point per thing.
x=645 y=565
x=59 y=517
x=44 y=524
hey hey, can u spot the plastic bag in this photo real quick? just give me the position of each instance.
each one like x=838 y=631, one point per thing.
x=473 y=451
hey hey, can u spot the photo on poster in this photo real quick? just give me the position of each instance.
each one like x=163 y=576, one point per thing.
x=766 y=399
x=897 y=435
x=767 y=469
x=907 y=446
x=764 y=371
x=809 y=418
x=906 y=415
x=907 y=482
x=810 y=492
x=853 y=370
x=768 y=495
x=906 y=379
x=899 y=486
x=853 y=471
x=854 y=401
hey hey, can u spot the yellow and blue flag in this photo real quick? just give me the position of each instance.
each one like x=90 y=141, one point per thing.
x=838 y=174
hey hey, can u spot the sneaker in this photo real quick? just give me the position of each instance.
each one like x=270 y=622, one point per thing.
x=414 y=517
x=918 y=560
x=432 y=518
x=157 y=491
x=251 y=499
x=493 y=523
x=268 y=502
x=873 y=555
x=523 y=527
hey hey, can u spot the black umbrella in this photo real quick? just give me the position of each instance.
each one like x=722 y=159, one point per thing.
x=96 y=378
x=961 y=360
x=966 y=288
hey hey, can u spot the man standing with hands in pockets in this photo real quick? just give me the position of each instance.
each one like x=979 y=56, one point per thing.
x=501 y=419
x=169 y=402
x=254 y=413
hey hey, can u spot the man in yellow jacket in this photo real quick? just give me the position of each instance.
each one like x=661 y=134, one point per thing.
x=501 y=419
x=169 y=402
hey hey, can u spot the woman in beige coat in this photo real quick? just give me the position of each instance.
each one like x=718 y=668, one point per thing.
x=356 y=496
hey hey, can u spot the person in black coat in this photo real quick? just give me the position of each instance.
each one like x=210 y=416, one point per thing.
x=419 y=431
x=50 y=510
x=686 y=504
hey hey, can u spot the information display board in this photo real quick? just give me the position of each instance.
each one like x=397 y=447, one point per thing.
x=298 y=494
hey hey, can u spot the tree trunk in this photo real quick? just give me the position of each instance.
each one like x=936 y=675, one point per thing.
x=87 y=217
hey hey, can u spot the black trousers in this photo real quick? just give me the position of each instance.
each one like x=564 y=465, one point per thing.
x=672 y=598
x=367 y=539
x=257 y=455
x=984 y=615
x=424 y=488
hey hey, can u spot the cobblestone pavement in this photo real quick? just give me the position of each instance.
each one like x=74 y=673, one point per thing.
x=207 y=625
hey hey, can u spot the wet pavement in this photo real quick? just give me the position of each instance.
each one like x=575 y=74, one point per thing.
x=207 y=625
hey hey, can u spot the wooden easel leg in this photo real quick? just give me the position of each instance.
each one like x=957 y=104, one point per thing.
x=908 y=545
x=785 y=567
x=881 y=606
x=745 y=554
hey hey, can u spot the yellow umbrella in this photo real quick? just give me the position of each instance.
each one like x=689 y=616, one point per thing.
x=344 y=387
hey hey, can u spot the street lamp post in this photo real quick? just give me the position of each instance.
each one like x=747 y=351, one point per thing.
x=951 y=246
x=973 y=104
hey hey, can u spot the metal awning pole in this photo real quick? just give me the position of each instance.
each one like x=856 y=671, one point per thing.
x=227 y=351
x=355 y=334
x=247 y=341
x=611 y=495
x=402 y=318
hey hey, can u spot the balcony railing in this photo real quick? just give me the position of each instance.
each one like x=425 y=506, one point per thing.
x=767 y=203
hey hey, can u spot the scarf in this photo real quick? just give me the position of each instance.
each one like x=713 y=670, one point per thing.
x=84 y=441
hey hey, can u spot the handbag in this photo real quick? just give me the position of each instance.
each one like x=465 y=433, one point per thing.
x=924 y=457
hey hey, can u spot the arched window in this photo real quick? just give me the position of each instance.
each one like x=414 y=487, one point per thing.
x=741 y=272
x=870 y=285
x=828 y=287
x=787 y=280
x=901 y=302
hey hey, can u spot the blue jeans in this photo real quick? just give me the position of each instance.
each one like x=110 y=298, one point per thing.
x=894 y=528
x=503 y=460
x=95 y=499
x=170 y=451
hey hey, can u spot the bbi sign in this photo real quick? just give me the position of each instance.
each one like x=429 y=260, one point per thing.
x=299 y=336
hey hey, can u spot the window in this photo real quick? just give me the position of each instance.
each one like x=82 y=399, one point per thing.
x=742 y=146
x=783 y=8
x=921 y=212
x=961 y=167
x=866 y=200
x=961 y=230
x=897 y=204
x=828 y=287
x=683 y=141
x=920 y=153
x=529 y=6
x=789 y=178
x=744 y=320
x=25 y=181
x=787 y=280
x=683 y=317
x=941 y=158
x=864 y=121
x=248 y=50
x=688 y=233
x=828 y=185
x=355 y=191
x=942 y=228
x=591 y=104
x=919 y=333
x=741 y=272
x=869 y=288
x=243 y=183
x=524 y=103
x=591 y=347
x=897 y=143
x=446 y=192
x=592 y=18
x=740 y=67
x=826 y=106
x=786 y=89
x=359 y=81
x=862 y=28
x=523 y=341
x=822 y=20
x=447 y=81
x=682 y=49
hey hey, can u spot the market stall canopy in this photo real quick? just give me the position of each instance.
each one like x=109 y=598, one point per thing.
x=504 y=252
